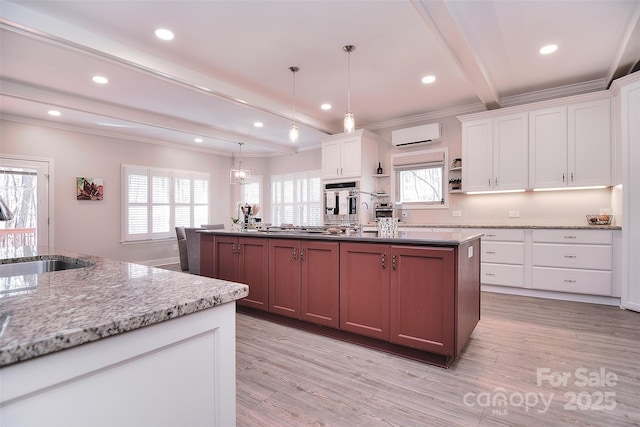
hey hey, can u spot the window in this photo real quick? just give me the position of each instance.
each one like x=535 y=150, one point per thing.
x=158 y=200
x=421 y=178
x=297 y=199
x=252 y=191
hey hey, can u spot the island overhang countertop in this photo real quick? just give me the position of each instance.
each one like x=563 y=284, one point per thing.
x=404 y=237
x=44 y=313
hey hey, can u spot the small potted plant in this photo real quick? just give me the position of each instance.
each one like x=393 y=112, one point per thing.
x=455 y=183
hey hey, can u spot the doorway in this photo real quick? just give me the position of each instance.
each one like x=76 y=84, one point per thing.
x=24 y=187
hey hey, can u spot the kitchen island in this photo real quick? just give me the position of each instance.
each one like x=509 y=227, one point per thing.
x=415 y=294
x=104 y=342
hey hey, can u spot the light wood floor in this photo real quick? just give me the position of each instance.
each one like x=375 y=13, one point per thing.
x=287 y=377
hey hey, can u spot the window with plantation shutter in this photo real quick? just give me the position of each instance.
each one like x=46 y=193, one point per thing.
x=158 y=200
x=296 y=198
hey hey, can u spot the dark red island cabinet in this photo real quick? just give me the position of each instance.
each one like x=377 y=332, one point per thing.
x=304 y=280
x=402 y=294
x=238 y=259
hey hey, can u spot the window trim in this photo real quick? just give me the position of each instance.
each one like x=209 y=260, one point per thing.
x=403 y=158
x=173 y=174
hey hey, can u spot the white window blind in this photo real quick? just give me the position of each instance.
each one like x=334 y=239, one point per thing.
x=420 y=178
x=158 y=200
x=252 y=191
x=296 y=199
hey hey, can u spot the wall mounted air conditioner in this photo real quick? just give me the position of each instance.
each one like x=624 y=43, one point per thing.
x=427 y=134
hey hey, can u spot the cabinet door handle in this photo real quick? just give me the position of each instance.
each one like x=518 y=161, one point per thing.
x=302 y=254
x=563 y=177
x=383 y=266
x=570 y=256
x=341 y=171
x=496 y=182
x=571 y=176
x=569 y=281
x=490 y=235
x=238 y=249
x=233 y=248
x=570 y=237
x=295 y=254
x=490 y=252
x=489 y=274
x=337 y=171
x=489 y=182
x=393 y=262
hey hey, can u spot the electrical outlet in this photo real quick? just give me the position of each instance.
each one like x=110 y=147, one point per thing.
x=514 y=214
x=456 y=213
x=404 y=214
x=175 y=247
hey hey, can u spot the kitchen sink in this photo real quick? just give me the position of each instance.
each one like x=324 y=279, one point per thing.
x=22 y=268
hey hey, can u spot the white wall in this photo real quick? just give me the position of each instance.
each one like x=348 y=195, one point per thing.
x=93 y=227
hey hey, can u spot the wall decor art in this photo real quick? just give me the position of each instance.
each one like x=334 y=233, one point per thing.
x=89 y=188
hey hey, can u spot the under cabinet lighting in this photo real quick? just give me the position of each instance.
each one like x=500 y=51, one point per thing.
x=497 y=191
x=593 y=187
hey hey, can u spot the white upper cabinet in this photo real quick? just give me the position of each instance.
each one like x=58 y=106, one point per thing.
x=589 y=143
x=495 y=153
x=570 y=146
x=548 y=147
x=344 y=155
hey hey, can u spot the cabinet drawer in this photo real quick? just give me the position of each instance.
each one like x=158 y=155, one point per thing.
x=502 y=252
x=596 y=257
x=501 y=274
x=602 y=237
x=505 y=235
x=571 y=280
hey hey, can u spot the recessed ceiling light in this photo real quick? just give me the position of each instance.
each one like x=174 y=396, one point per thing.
x=258 y=124
x=198 y=140
x=428 y=79
x=54 y=113
x=164 y=34
x=550 y=48
x=326 y=107
x=100 y=80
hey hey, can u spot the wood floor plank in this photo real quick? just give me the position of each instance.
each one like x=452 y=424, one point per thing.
x=288 y=377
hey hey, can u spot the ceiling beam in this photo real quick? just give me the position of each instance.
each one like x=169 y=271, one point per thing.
x=436 y=15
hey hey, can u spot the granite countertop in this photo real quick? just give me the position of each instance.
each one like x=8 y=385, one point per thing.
x=521 y=226
x=425 y=238
x=48 y=312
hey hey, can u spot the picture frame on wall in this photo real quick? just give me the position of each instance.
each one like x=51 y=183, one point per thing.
x=89 y=188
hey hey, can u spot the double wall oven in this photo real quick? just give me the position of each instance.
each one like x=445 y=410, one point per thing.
x=341 y=202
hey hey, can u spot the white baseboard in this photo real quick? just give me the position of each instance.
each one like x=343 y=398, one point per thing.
x=565 y=296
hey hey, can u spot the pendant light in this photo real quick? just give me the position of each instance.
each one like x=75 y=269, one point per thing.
x=293 y=130
x=349 y=122
x=239 y=175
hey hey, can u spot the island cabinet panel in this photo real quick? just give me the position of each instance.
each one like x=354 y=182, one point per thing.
x=320 y=282
x=284 y=277
x=364 y=289
x=422 y=298
x=238 y=259
x=304 y=280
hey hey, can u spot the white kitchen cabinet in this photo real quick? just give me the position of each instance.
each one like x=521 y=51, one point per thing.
x=548 y=147
x=348 y=155
x=589 y=143
x=502 y=257
x=575 y=261
x=496 y=153
x=570 y=145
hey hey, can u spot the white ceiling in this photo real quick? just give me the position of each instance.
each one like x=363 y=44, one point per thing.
x=228 y=64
